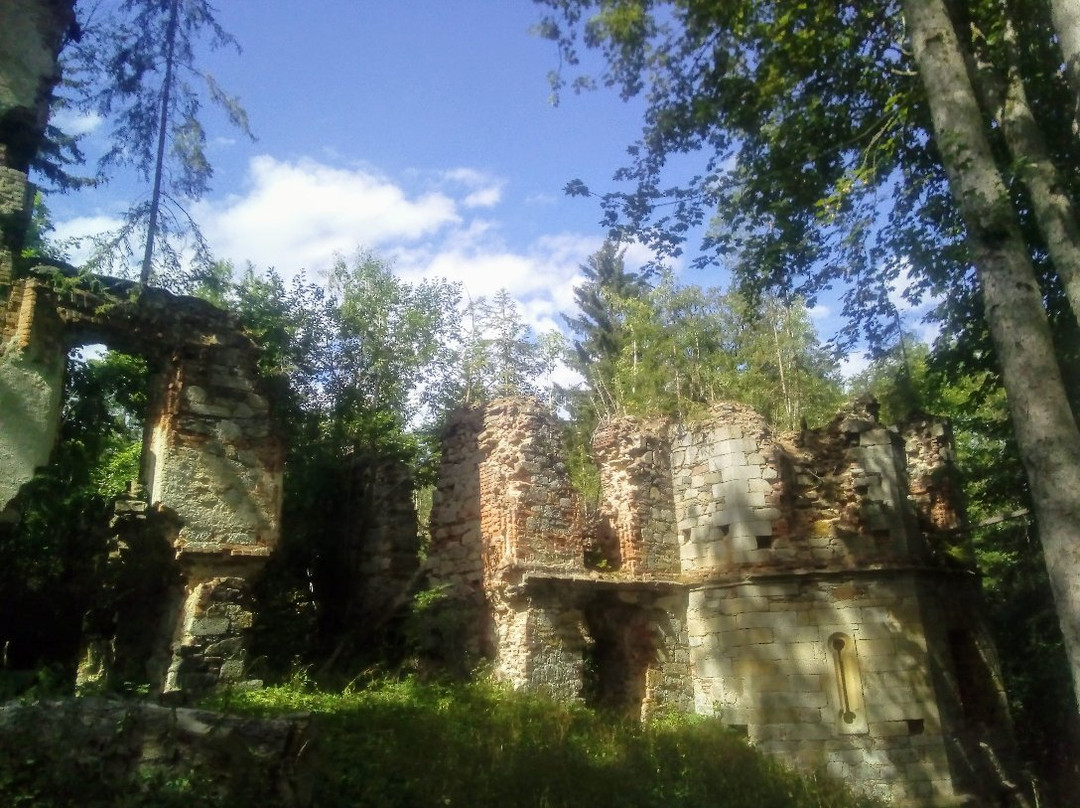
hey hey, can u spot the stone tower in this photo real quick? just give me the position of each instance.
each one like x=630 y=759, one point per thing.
x=801 y=588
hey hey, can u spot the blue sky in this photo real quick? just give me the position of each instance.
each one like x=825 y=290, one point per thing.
x=419 y=129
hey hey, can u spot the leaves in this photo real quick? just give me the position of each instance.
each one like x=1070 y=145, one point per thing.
x=137 y=68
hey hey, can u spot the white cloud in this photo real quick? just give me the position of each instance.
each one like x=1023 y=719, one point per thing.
x=853 y=364
x=484 y=190
x=483 y=198
x=301 y=214
x=298 y=215
x=77 y=123
x=541 y=277
x=74 y=234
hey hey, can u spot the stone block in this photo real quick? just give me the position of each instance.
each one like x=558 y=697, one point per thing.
x=209 y=626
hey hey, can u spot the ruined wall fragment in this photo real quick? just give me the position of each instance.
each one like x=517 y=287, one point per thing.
x=211 y=462
x=31 y=35
x=779 y=581
x=382 y=537
x=726 y=490
x=637 y=504
x=32 y=356
x=933 y=479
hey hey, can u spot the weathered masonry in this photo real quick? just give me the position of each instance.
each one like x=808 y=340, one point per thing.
x=211 y=465
x=799 y=587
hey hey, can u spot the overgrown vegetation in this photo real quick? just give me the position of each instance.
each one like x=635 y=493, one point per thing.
x=406 y=742
x=51 y=562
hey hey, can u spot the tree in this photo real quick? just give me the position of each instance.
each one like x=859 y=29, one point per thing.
x=845 y=143
x=598 y=338
x=684 y=348
x=140 y=62
x=498 y=354
x=391 y=348
x=785 y=372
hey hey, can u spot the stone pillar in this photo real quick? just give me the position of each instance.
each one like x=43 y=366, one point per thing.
x=212 y=463
x=530 y=516
x=503 y=508
x=32 y=355
x=31 y=34
x=634 y=457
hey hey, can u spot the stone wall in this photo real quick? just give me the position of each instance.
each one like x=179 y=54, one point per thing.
x=767 y=659
x=638 y=504
x=98 y=751
x=788 y=584
x=32 y=354
x=383 y=541
x=211 y=462
x=31 y=35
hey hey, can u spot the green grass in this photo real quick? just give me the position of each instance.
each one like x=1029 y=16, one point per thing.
x=410 y=743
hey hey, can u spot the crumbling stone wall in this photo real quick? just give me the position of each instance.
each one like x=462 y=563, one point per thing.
x=31 y=34
x=32 y=354
x=383 y=539
x=638 y=506
x=932 y=477
x=787 y=583
x=210 y=460
x=727 y=489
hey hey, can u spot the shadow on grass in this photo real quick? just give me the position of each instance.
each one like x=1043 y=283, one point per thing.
x=408 y=743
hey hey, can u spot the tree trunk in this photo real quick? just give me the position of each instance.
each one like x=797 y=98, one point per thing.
x=159 y=164
x=1066 y=15
x=1006 y=99
x=1046 y=431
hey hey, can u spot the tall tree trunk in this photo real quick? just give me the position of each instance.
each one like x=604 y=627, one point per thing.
x=159 y=164
x=1006 y=99
x=1046 y=431
x=1066 y=15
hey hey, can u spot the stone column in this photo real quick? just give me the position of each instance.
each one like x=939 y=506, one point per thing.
x=212 y=463
x=31 y=34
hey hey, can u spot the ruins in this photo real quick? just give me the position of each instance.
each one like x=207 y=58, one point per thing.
x=212 y=466
x=802 y=588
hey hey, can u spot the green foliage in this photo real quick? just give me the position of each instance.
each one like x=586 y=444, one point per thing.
x=50 y=560
x=406 y=742
x=359 y=373
x=499 y=355
x=135 y=66
x=683 y=348
x=436 y=631
x=94 y=771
